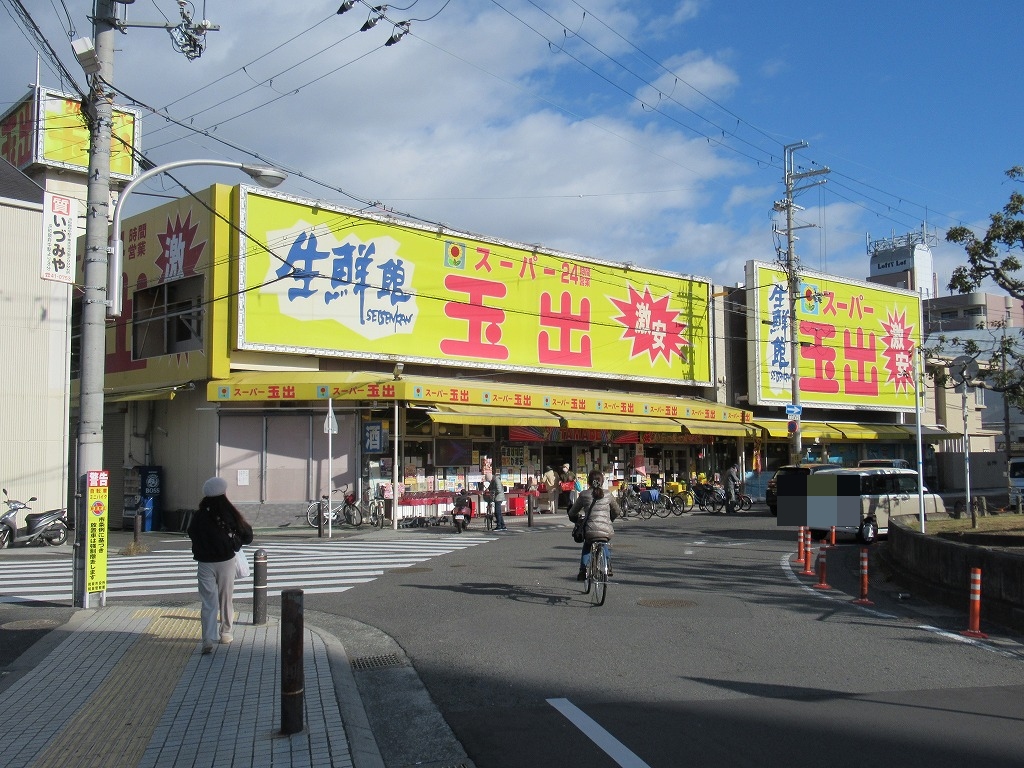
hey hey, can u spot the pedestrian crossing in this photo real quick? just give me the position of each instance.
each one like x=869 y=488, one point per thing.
x=314 y=567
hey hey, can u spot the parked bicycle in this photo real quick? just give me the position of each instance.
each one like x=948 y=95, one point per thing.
x=347 y=510
x=710 y=498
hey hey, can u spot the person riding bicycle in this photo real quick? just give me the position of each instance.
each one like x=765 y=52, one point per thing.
x=732 y=489
x=598 y=508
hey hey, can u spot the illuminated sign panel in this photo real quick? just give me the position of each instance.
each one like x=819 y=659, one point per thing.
x=856 y=341
x=334 y=282
x=62 y=140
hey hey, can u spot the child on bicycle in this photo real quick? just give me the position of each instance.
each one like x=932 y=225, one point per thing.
x=598 y=509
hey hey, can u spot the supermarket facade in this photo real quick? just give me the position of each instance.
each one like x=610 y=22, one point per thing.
x=253 y=320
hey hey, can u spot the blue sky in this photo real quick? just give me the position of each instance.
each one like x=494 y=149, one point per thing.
x=644 y=132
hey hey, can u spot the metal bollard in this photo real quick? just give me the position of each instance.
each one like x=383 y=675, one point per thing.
x=293 y=680
x=531 y=507
x=320 y=522
x=259 y=587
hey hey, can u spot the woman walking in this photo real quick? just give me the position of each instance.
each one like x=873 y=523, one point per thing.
x=217 y=531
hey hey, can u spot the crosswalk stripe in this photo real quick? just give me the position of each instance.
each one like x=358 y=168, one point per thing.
x=315 y=567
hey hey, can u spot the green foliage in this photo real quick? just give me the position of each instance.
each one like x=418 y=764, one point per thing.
x=997 y=255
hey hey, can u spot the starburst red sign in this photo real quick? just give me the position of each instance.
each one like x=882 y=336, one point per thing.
x=898 y=350
x=179 y=253
x=652 y=325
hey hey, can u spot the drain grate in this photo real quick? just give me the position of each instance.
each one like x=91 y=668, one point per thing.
x=667 y=603
x=377 y=662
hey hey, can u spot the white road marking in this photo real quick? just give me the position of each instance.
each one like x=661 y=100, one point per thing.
x=611 y=746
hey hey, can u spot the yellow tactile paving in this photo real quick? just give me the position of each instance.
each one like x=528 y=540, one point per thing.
x=115 y=725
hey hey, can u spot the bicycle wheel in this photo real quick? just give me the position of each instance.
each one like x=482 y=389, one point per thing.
x=313 y=514
x=745 y=502
x=662 y=507
x=352 y=514
x=646 y=510
x=599 y=562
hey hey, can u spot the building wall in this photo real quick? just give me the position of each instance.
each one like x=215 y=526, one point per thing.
x=35 y=349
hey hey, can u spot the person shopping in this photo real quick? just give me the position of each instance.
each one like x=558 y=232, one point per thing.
x=217 y=531
x=551 y=483
x=599 y=509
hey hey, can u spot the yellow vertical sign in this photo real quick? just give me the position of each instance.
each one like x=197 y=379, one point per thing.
x=98 y=496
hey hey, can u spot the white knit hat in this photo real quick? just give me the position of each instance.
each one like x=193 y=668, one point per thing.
x=215 y=486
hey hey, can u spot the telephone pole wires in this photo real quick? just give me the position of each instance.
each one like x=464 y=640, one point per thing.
x=792 y=269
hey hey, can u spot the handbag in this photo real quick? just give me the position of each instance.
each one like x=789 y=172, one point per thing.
x=241 y=565
x=567 y=485
x=579 y=529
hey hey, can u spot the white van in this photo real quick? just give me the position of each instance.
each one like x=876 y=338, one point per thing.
x=886 y=493
x=1015 y=468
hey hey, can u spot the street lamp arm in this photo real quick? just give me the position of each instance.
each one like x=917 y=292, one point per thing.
x=264 y=175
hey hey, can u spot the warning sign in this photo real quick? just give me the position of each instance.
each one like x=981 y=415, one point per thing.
x=98 y=497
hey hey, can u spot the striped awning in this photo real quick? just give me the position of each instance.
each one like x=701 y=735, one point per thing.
x=717 y=428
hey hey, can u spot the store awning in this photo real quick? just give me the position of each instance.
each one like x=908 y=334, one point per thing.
x=931 y=433
x=509 y=417
x=717 y=428
x=619 y=422
x=156 y=393
x=808 y=429
x=864 y=431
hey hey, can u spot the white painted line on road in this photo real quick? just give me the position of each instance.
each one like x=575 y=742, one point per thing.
x=844 y=599
x=614 y=748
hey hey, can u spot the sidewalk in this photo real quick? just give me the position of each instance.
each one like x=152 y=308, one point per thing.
x=128 y=686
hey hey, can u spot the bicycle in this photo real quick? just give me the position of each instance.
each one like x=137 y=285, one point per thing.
x=346 y=510
x=595 y=583
x=709 y=498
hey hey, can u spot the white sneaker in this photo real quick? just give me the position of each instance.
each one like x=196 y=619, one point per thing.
x=225 y=638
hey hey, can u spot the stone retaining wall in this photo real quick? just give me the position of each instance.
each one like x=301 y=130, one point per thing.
x=941 y=569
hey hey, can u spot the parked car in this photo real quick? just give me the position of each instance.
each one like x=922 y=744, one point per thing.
x=886 y=493
x=771 y=493
x=884 y=463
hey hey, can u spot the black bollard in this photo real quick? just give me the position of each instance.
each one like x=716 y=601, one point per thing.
x=293 y=680
x=320 y=522
x=531 y=507
x=259 y=587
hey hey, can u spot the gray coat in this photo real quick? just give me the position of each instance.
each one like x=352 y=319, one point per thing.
x=599 y=524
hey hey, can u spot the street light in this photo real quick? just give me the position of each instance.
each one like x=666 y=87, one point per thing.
x=89 y=449
x=264 y=175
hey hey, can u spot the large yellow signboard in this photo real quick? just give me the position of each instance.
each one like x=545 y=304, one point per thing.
x=47 y=128
x=334 y=282
x=856 y=341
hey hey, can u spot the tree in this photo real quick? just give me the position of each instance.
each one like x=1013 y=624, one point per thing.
x=996 y=257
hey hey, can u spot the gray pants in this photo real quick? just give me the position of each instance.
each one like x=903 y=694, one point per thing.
x=216 y=593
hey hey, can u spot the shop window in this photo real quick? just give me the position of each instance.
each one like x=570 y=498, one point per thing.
x=480 y=430
x=417 y=423
x=168 y=318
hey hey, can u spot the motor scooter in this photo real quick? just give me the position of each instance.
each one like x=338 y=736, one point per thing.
x=50 y=527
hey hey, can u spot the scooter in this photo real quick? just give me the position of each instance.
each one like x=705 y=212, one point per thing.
x=50 y=527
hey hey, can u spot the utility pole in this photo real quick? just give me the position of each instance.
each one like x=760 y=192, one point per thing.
x=792 y=269
x=89 y=452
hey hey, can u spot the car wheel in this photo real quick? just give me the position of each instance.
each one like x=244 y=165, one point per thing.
x=868 y=531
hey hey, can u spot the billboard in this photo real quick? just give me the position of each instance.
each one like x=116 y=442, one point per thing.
x=47 y=128
x=856 y=341
x=329 y=281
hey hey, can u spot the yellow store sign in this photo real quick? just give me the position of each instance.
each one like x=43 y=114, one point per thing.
x=856 y=340
x=332 y=282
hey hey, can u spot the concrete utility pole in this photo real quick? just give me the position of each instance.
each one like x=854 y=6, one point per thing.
x=793 y=287
x=94 y=300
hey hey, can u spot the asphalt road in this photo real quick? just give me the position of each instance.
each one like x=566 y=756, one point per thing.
x=710 y=651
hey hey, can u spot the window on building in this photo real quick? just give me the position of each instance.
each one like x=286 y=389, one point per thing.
x=979 y=397
x=168 y=318
x=949 y=314
x=974 y=311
